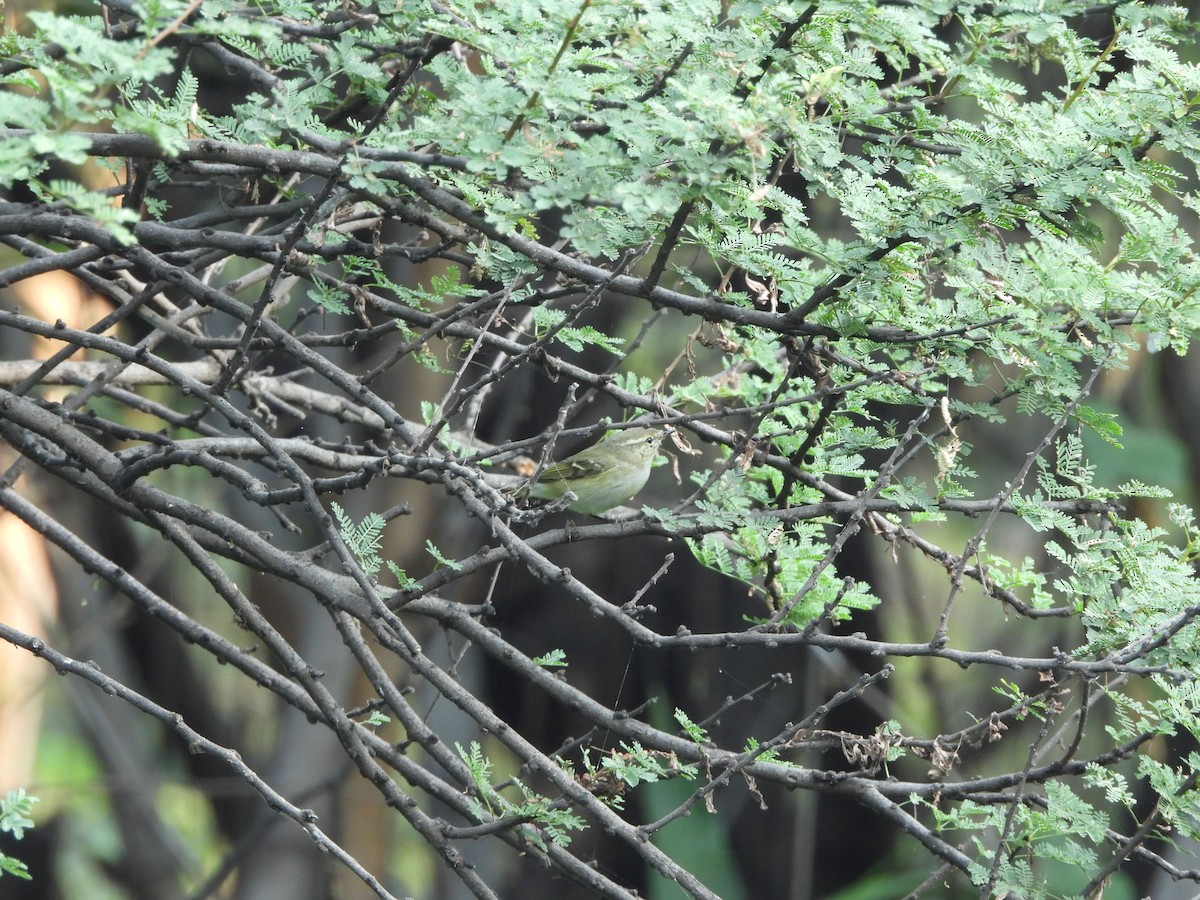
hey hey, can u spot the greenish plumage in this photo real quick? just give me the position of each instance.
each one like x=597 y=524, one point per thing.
x=604 y=475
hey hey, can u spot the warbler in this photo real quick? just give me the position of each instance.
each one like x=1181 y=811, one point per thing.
x=603 y=475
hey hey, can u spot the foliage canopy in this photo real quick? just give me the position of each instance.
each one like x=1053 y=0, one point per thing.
x=349 y=253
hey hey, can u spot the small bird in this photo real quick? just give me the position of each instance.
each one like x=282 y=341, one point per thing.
x=604 y=475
